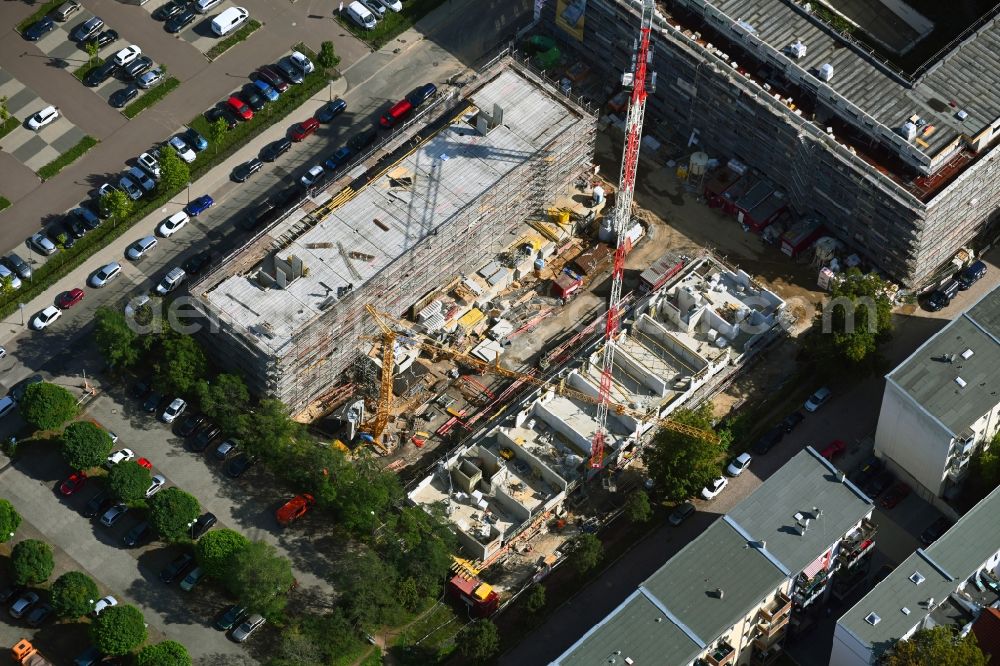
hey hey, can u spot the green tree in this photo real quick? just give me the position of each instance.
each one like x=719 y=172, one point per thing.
x=129 y=481
x=535 y=601
x=260 y=578
x=940 y=646
x=7 y=285
x=588 y=552
x=224 y=400
x=73 y=595
x=118 y=630
x=4 y=110
x=47 y=406
x=167 y=653
x=479 y=641
x=370 y=600
x=181 y=364
x=217 y=132
x=92 y=50
x=327 y=55
x=174 y=172
x=84 y=445
x=682 y=464
x=853 y=323
x=984 y=473
x=31 y=562
x=316 y=639
x=171 y=512
x=419 y=546
x=115 y=339
x=365 y=492
x=268 y=430
x=118 y=205
x=10 y=520
x=637 y=507
x=217 y=549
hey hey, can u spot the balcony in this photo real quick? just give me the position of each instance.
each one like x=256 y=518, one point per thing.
x=722 y=655
x=857 y=544
x=807 y=590
x=766 y=657
x=780 y=606
x=768 y=633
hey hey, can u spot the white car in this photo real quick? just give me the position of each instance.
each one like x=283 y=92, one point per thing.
x=150 y=164
x=312 y=176
x=183 y=150
x=172 y=280
x=738 y=464
x=158 y=482
x=7 y=274
x=105 y=275
x=3 y=353
x=43 y=118
x=173 y=410
x=123 y=455
x=712 y=490
x=127 y=55
x=818 y=399
x=140 y=248
x=106 y=602
x=45 y=317
x=394 y=5
x=172 y=224
x=303 y=62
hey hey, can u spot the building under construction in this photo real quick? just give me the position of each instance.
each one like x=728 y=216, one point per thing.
x=896 y=156
x=459 y=181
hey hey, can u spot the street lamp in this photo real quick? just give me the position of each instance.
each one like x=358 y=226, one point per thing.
x=189 y=192
x=20 y=306
x=191 y=529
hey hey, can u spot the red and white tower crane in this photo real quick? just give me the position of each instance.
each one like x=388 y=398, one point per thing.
x=621 y=218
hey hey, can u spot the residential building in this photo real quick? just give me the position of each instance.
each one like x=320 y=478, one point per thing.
x=949 y=583
x=943 y=402
x=897 y=160
x=732 y=594
x=987 y=631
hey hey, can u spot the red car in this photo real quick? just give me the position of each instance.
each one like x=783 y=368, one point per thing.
x=896 y=494
x=294 y=509
x=68 y=299
x=142 y=462
x=240 y=108
x=833 y=450
x=304 y=129
x=73 y=483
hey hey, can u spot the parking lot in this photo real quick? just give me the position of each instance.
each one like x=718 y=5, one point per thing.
x=34 y=149
x=199 y=32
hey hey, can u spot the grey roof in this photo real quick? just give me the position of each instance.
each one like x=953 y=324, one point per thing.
x=945 y=565
x=929 y=378
x=968 y=75
x=807 y=484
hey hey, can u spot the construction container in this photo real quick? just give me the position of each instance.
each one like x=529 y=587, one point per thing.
x=565 y=286
x=660 y=272
x=800 y=236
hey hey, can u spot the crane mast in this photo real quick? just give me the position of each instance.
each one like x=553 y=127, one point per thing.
x=621 y=216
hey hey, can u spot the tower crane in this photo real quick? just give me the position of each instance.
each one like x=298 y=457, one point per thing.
x=376 y=426
x=622 y=214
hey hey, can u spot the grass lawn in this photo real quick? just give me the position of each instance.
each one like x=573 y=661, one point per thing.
x=150 y=97
x=4 y=203
x=67 y=158
x=233 y=40
x=8 y=126
x=392 y=24
x=39 y=13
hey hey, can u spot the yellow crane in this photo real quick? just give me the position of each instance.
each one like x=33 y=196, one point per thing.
x=376 y=426
x=437 y=349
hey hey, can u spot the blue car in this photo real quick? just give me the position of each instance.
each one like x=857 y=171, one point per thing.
x=330 y=110
x=421 y=94
x=38 y=30
x=266 y=90
x=199 y=205
x=338 y=158
x=195 y=140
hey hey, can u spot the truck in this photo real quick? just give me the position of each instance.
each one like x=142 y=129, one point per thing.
x=26 y=654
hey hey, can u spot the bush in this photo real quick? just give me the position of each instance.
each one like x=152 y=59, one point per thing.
x=328 y=56
x=47 y=406
x=233 y=40
x=167 y=653
x=479 y=641
x=216 y=551
x=129 y=481
x=150 y=97
x=10 y=520
x=118 y=630
x=84 y=445
x=73 y=595
x=171 y=511
x=31 y=562
x=67 y=158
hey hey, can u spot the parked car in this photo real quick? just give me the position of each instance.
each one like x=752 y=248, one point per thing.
x=362 y=139
x=113 y=515
x=230 y=617
x=199 y=205
x=738 y=464
x=42 y=244
x=169 y=10
x=374 y=7
x=138 y=534
x=44 y=117
x=102 y=603
x=105 y=274
x=392 y=5
x=266 y=89
x=289 y=72
x=89 y=657
x=173 y=410
x=101 y=73
x=970 y=275
x=65 y=10
x=8 y=592
x=180 y=21
x=152 y=401
x=298 y=59
x=275 y=149
x=7 y=405
x=45 y=318
x=190 y=424
x=87 y=218
x=239 y=464
x=119 y=456
x=817 y=399
x=197 y=263
x=140 y=248
x=205 y=436
x=768 y=440
x=243 y=172
x=23 y=604
x=183 y=150
x=39 y=29
x=68 y=299
x=38 y=615
x=681 y=513
x=18 y=265
x=330 y=110
x=87 y=29
x=8 y=275
x=239 y=107
x=126 y=55
x=834 y=449
x=311 y=177
x=193 y=139
x=192 y=579
x=247 y=627
x=879 y=484
x=867 y=470
x=222 y=451
x=73 y=483
x=17 y=391
x=172 y=224
x=222 y=111
x=301 y=131
x=422 y=94
x=252 y=97
x=339 y=158
x=294 y=509
x=151 y=78
x=157 y=481
x=149 y=162
x=896 y=494
x=789 y=422
x=396 y=114
x=935 y=530
x=203 y=524
x=177 y=568
x=173 y=279
x=273 y=78
x=131 y=188
x=99 y=503
x=139 y=66
x=712 y=490
x=104 y=38
x=942 y=296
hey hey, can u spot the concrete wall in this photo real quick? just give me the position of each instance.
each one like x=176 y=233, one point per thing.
x=849 y=650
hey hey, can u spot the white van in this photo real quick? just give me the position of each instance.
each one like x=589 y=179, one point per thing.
x=229 y=20
x=361 y=15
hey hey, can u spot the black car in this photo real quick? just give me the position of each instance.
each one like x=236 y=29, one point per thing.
x=177 y=568
x=681 y=513
x=879 y=484
x=17 y=391
x=217 y=112
x=169 y=10
x=61 y=238
x=86 y=217
x=9 y=592
x=239 y=464
x=120 y=98
x=768 y=440
x=792 y=420
x=39 y=29
x=230 y=617
x=252 y=97
x=203 y=524
x=421 y=94
x=14 y=262
x=330 y=110
x=73 y=227
x=275 y=149
x=362 y=140
x=866 y=471
x=104 y=38
x=934 y=532
x=259 y=216
x=970 y=275
x=198 y=262
x=181 y=21
x=138 y=534
x=101 y=73
x=243 y=172
x=138 y=67
x=38 y=615
x=141 y=388
x=152 y=402
x=190 y=423
x=205 y=436
x=87 y=29
x=289 y=72
x=98 y=504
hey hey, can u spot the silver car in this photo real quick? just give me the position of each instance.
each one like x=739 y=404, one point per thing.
x=42 y=243
x=105 y=275
x=247 y=627
x=140 y=248
x=150 y=78
x=112 y=515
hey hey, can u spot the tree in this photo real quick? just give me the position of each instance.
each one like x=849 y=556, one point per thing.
x=92 y=50
x=479 y=641
x=224 y=400
x=854 y=321
x=680 y=464
x=217 y=550
x=217 y=132
x=984 y=473
x=174 y=172
x=118 y=630
x=317 y=639
x=182 y=363
x=419 y=546
x=171 y=512
x=364 y=491
x=370 y=599
x=4 y=110
x=637 y=507
x=84 y=445
x=940 y=646
x=327 y=55
x=117 y=204
x=115 y=339
x=535 y=601
x=31 y=562
x=167 y=653
x=129 y=481
x=73 y=595
x=260 y=578
x=587 y=553
x=47 y=406
x=10 y=520
x=7 y=285
x=268 y=430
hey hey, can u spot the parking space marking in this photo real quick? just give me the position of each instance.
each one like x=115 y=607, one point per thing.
x=199 y=34
x=34 y=149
